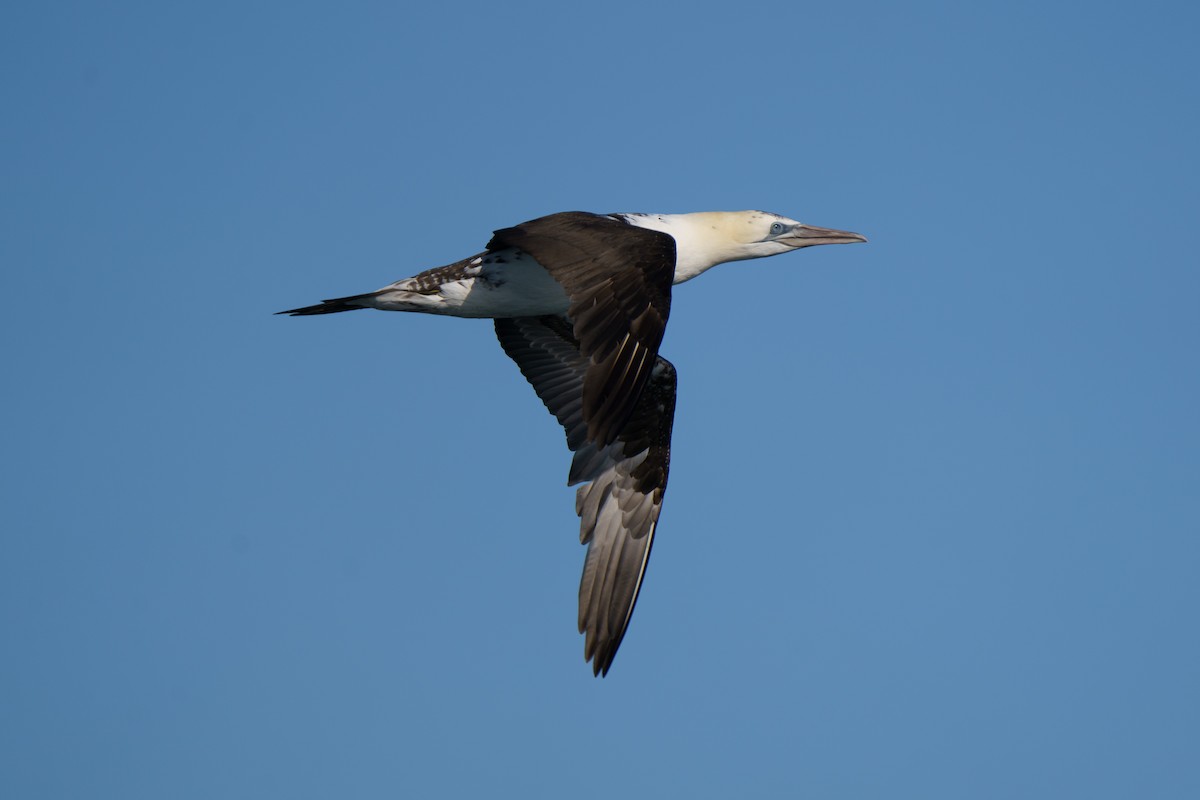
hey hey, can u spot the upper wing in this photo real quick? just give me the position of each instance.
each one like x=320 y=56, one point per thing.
x=618 y=279
x=620 y=504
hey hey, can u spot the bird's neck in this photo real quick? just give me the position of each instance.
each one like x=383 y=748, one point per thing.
x=702 y=240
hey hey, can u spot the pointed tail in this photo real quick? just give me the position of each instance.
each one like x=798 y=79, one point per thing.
x=353 y=303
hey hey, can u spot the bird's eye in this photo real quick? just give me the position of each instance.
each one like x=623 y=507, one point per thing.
x=777 y=228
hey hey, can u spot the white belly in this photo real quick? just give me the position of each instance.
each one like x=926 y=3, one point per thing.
x=504 y=284
x=519 y=288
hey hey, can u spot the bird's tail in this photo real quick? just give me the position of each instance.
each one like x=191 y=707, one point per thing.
x=352 y=303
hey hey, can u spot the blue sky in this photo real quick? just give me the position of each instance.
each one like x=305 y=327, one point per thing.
x=932 y=529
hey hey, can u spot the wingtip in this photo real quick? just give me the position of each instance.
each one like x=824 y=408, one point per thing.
x=600 y=665
x=597 y=652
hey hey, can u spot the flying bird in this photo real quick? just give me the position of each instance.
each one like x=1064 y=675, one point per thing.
x=580 y=303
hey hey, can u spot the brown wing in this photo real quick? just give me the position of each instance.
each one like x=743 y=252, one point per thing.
x=618 y=278
x=619 y=505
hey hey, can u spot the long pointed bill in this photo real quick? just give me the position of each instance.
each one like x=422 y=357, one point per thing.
x=808 y=235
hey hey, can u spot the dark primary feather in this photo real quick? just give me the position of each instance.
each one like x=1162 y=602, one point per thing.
x=618 y=278
x=620 y=503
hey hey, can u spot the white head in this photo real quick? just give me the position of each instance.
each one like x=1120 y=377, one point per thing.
x=708 y=238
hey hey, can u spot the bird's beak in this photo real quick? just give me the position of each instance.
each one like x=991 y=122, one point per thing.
x=808 y=235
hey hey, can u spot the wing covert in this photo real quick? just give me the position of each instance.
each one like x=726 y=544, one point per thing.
x=618 y=278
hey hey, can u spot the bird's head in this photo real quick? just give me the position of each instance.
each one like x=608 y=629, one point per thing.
x=755 y=234
x=706 y=239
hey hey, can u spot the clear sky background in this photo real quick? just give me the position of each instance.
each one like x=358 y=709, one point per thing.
x=933 y=528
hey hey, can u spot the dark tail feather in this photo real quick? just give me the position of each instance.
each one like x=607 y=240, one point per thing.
x=352 y=303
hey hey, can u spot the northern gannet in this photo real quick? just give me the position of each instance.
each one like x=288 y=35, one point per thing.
x=580 y=302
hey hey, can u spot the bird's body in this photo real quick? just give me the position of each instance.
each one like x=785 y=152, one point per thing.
x=581 y=302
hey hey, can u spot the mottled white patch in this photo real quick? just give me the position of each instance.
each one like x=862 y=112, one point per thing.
x=507 y=283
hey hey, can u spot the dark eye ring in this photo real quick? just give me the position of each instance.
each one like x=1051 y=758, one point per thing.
x=776 y=228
